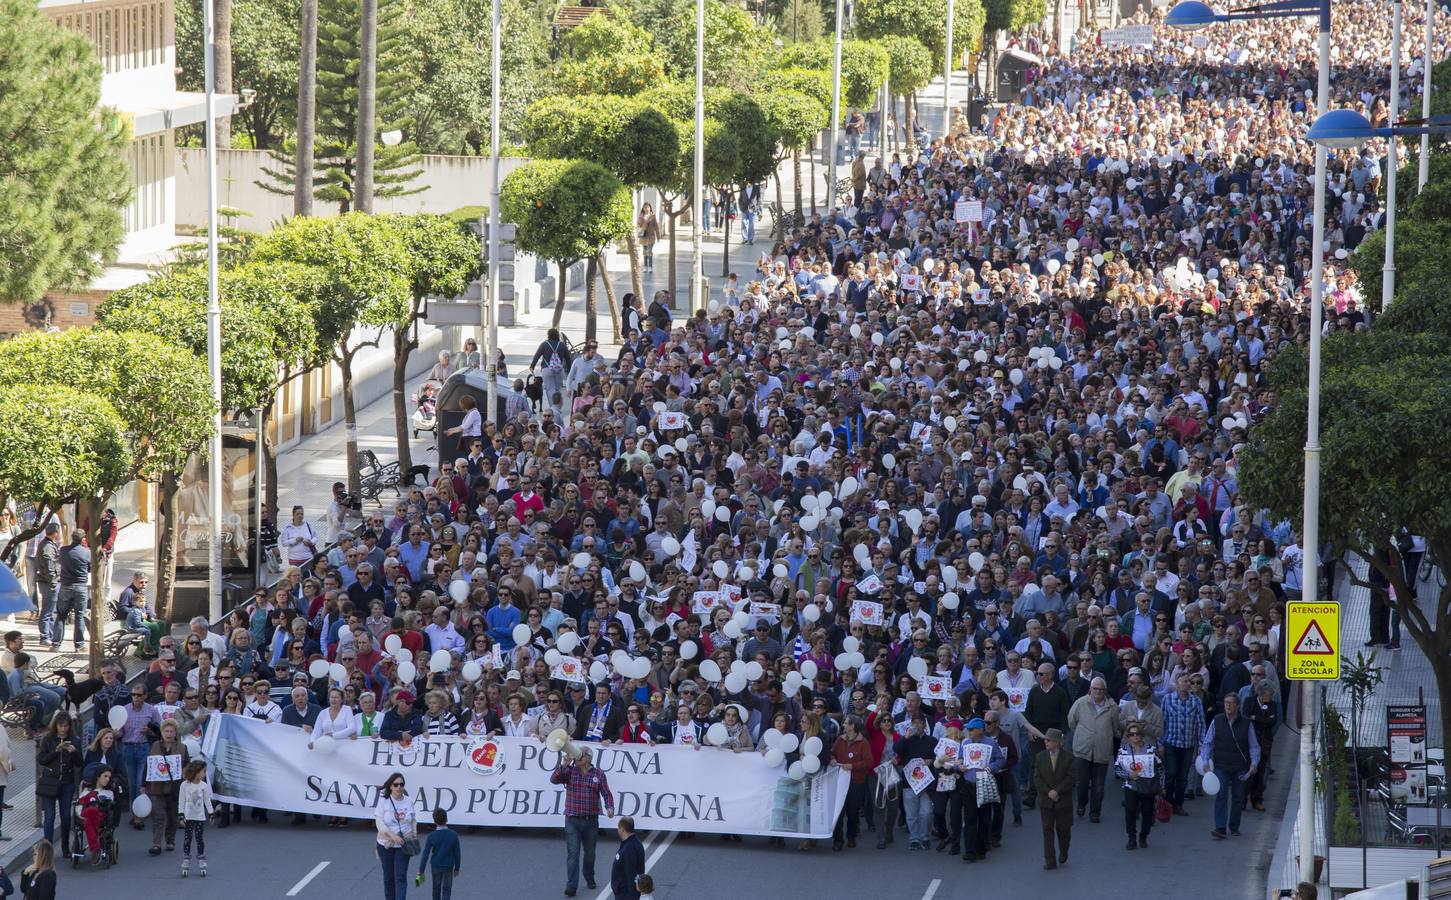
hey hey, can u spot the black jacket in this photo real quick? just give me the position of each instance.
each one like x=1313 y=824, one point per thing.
x=57 y=767
x=629 y=865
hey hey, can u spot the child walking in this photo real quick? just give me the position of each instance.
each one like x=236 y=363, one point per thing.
x=196 y=805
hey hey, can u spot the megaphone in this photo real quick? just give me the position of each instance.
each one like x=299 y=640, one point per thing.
x=558 y=741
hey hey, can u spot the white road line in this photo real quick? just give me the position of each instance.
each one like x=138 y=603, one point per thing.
x=932 y=889
x=307 y=879
x=654 y=857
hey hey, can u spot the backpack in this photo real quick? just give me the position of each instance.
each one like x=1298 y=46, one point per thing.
x=554 y=363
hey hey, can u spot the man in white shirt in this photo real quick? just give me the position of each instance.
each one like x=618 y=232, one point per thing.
x=441 y=633
x=213 y=642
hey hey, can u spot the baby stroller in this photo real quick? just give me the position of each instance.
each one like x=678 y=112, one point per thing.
x=105 y=814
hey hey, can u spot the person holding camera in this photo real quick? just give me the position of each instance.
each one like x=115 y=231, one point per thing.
x=586 y=792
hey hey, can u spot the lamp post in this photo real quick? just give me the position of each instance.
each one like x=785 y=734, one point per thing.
x=1423 y=169
x=1388 y=271
x=491 y=312
x=832 y=149
x=1192 y=15
x=697 y=266
x=214 y=335
x=947 y=76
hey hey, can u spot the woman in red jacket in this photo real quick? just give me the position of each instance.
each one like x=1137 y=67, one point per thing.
x=853 y=752
x=635 y=730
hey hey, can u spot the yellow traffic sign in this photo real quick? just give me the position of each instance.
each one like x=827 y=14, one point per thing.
x=1312 y=641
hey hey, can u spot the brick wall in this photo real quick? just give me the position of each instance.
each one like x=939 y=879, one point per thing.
x=63 y=310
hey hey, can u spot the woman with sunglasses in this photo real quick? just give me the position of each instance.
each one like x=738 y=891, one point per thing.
x=1140 y=764
x=397 y=840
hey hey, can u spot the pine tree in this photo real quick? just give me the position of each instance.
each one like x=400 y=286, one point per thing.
x=338 y=30
x=63 y=159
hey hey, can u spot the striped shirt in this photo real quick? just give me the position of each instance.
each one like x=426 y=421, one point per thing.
x=443 y=723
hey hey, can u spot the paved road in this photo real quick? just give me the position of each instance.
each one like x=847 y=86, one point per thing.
x=272 y=861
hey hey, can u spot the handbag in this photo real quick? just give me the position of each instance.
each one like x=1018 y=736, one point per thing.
x=1163 y=810
x=411 y=846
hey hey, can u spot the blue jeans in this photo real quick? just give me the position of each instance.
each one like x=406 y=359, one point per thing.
x=748 y=226
x=48 y=596
x=395 y=871
x=1229 y=802
x=579 y=830
x=442 y=883
x=919 y=814
x=133 y=756
x=72 y=600
x=62 y=802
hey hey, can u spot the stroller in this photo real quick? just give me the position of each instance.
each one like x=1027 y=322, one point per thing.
x=425 y=413
x=109 y=809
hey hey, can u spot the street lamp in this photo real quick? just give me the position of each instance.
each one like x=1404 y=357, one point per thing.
x=490 y=364
x=1346 y=129
x=835 y=109
x=214 y=340
x=697 y=197
x=1192 y=15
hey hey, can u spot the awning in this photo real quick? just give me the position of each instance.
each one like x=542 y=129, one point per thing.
x=173 y=111
x=1019 y=58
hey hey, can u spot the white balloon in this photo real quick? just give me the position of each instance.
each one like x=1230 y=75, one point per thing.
x=976 y=560
x=731 y=629
x=688 y=650
x=472 y=671
x=568 y=641
x=896 y=364
x=856 y=329
x=392 y=643
x=439 y=662
x=735 y=682
x=339 y=672
x=980 y=355
x=811 y=764
x=754 y=671
x=710 y=671
x=642 y=667
x=659 y=406
x=793 y=677
x=738 y=666
x=141 y=806
x=917 y=667
x=774 y=757
x=809 y=523
x=598 y=672
x=619 y=661
x=949 y=423
x=325 y=744
x=552 y=656
x=811 y=746
x=949 y=576
x=669 y=546
x=1210 y=783
x=720 y=569
x=789 y=743
x=780 y=570
x=1053 y=264
x=850 y=644
x=1072 y=242
x=747 y=573
x=797 y=772
x=843 y=662
x=1055 y=362
x=770 y=736
x=811 y=612
x=878 y=338
x=318 y=668
x=1016 y=376
x=808 y=502
x=707 y=508
x=637 y=571
x=716 y=734
x=808 y=670
x=950 y=600
x=823 y=500
x=889 y=462
x=848 y=486
x=407 y=673
x=521 y=633
x=914 y=519
x=458 y=589
x=861 y=554
x=681 y=444
x=722 y=513
x=581 y=560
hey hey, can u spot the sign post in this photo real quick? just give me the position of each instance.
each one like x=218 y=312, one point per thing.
x=1406 y=740
x=1313 y=647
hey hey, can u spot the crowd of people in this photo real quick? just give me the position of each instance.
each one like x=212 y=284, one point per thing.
x=956 y=479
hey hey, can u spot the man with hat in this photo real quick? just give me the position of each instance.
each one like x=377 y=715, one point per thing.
x=402 y=722
x=1053 y=779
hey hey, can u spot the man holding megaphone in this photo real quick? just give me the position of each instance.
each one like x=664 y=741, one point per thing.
x=586 y=792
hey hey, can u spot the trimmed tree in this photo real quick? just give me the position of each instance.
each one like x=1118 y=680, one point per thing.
x=910 y=66
x=608 y=55
x=565 y=211
x=363 y=265
x=63 y=158
x=924 y=20
x=733 y=45
x=158 y=391
x=794 y=120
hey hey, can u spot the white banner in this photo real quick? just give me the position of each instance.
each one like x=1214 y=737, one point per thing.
x=1128 y=36
x=505 y=781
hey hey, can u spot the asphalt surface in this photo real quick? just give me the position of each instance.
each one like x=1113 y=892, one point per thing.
x=282 y=860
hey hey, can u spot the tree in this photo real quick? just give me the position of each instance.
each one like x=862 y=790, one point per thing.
x=864 y=66
x=793 y=119
x=1007 y=15
x=264 y=55
x=910 y=66
x=442 y=257
x=608 y=55
x=304 y=174
x=159 y=394
x=363 y=263
x=62 y=158
x=367 y=136
x=733 y=44
x=631 y=138
x=565 y=211
x=1388 y=382
x=924 y=20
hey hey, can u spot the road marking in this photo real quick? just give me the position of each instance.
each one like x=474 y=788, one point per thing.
x=654 y=857
x=932 y=889
x=307 y=879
